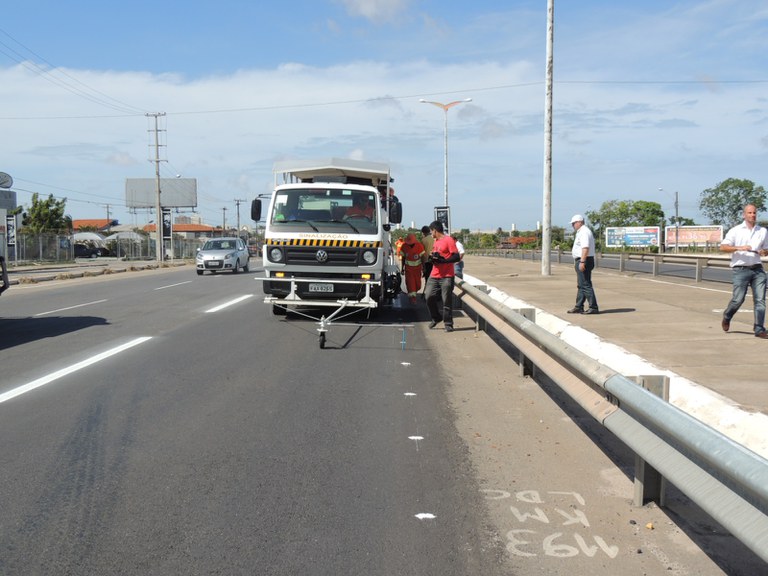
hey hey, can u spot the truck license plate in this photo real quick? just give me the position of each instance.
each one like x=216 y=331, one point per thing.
x=317 y=287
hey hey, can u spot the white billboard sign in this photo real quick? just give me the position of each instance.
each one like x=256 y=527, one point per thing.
x=174 y=192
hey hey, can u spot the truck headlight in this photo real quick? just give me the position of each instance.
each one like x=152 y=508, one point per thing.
x=275 y=254
x=369 y=257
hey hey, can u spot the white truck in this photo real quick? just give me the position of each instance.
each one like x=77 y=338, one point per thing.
x=4 y=282
x=327 y=236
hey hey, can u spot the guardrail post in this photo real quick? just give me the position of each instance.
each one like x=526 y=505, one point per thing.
x=650 y=485
x=526 y=365
x=656 y=266
x=622 y=261
x=699 y=269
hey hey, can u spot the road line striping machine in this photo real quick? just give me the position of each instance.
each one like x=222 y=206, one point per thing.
x=327 y=237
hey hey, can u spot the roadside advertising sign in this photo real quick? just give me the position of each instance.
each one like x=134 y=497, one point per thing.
x=636 y=236
x=693 y=235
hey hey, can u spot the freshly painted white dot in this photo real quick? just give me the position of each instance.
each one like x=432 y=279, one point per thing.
x=425 y=516
x=409 y=394
x=405 y=363
x=417 y=438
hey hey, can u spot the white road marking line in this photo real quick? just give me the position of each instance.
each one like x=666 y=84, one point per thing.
x=228 y=304
x=173 y=285
x=425 y=516
x=69 y=370
x=69 y=308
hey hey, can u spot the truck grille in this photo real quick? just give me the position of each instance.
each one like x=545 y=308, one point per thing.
x=307 y=256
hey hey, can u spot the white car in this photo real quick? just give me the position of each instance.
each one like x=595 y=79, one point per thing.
x=223 y=254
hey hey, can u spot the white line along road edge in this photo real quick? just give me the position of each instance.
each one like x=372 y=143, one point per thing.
x=70 y=369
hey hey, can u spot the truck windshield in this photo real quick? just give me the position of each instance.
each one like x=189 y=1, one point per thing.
x=325 y=209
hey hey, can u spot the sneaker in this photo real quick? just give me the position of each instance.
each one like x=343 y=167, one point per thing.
x=725 y=325
x=762 y=334
x=575 y=310
x=433 y=323
x=592 y=311
x=448 y=328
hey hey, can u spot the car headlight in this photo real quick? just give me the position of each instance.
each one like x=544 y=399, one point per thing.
x=230 y=256
x=275 y=254
x=199 y=257
x=369 y=257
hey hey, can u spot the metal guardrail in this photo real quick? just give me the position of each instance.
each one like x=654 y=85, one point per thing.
x=698 y=262
x=726 y=480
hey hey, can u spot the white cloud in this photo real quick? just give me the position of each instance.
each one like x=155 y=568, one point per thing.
x=377 y=11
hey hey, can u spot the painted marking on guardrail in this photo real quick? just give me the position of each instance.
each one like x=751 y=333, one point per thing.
x=69 y=308
x=228 y=304
x=70 y=369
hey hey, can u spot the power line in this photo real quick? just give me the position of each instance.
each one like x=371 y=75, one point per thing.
x=68 y=83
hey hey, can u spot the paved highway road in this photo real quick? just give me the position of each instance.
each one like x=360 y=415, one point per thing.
x=217 y=440
x=164 y=423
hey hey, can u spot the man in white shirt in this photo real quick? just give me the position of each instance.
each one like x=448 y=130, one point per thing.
x=458 y=267
x=583 y=252
x=746 y=243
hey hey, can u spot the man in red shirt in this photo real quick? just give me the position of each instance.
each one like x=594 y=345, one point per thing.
x=440 y=281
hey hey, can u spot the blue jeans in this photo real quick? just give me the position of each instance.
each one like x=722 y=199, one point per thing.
x=440 y=289
x=743 y=278
x=585 y=293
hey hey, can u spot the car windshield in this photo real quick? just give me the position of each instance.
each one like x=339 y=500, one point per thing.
x=325 y=209
x=220 y=245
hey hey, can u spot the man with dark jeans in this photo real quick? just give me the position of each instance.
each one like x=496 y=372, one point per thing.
x=440 y=281
x=584 y=262
x=746 y=243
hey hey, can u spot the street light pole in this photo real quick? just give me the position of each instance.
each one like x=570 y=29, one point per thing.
x=445 y=108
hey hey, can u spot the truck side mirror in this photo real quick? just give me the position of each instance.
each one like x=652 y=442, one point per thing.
x=256 y=210
x=395 y=212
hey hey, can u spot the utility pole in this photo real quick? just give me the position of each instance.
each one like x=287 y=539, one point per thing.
x=159 y=247
x=224 y=221
x=677 y=224
x=237 y=203
x=546 y=236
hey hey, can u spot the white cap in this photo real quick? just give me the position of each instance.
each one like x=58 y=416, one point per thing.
x=577 y=218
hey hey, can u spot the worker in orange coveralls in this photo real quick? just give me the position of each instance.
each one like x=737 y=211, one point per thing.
x=399 y=249
x=412 y=252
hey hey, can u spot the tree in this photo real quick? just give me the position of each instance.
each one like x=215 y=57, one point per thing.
x=47 y=215
x=724 y=203
x=625 y=213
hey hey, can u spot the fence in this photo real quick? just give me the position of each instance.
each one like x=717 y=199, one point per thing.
x=63 y=248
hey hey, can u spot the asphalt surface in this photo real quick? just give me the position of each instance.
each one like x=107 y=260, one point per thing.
x=230 y=443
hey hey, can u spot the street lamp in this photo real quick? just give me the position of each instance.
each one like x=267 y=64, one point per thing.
x=445 y=108
x=677 y=219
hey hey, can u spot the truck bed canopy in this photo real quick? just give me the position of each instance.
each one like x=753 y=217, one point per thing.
x=334 y=170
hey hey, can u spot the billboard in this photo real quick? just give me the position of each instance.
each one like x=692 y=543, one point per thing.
x=174 y=192
x=635 y=236
x=693 y=235
x=443 y=215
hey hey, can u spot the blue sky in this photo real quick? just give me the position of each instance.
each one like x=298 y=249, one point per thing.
x=647 y=95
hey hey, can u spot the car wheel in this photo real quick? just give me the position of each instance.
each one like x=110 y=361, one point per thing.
x=246 y=268
x=199 y=272
x=236 y=269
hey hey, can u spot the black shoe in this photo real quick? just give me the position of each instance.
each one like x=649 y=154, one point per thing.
x=449 y=328
x=726 y=325
x=762 y=334
x=592 y=311
x=575 y=310
x=433 y=323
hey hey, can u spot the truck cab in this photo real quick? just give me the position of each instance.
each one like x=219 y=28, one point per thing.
x=327 y=236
